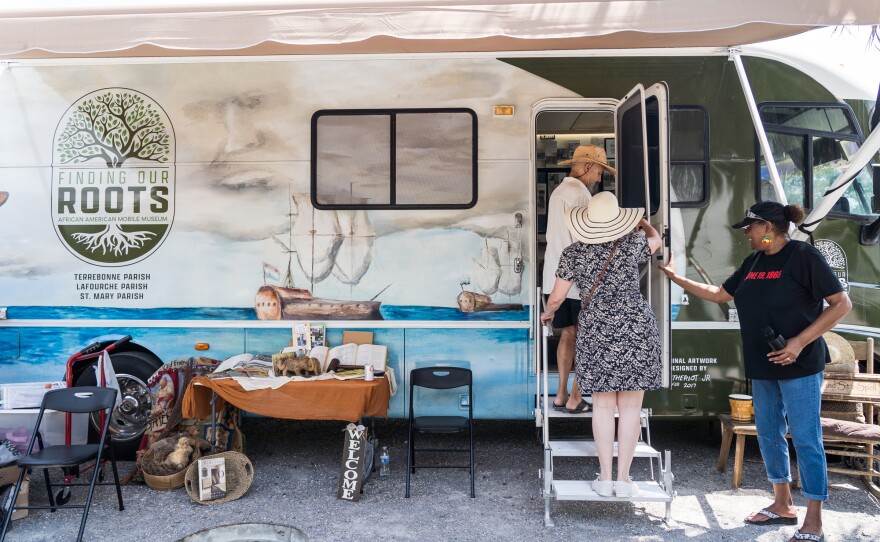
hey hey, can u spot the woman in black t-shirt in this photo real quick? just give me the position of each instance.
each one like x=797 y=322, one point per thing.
x=782 y=285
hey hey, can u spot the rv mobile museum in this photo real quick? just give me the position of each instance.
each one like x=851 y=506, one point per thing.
x=394 y=178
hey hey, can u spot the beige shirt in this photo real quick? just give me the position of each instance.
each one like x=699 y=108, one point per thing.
x=570 y=193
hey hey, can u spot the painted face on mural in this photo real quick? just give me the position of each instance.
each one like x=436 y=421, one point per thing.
x=239 y=155
x=240 y=134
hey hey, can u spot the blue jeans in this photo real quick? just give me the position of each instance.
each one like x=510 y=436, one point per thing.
x=798 y=402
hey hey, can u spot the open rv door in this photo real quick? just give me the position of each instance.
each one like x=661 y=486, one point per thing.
x=642 y=149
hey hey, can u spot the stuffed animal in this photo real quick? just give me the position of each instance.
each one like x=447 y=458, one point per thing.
x=290 y=363
x=179 y=457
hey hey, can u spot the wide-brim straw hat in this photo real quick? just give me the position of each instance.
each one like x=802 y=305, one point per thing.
x=602 y=221
x=589 y=154
x=239 y=476
x=843 y=357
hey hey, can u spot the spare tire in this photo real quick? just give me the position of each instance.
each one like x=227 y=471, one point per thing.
x=129 y=420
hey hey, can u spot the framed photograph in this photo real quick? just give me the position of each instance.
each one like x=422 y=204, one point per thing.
x=317 y=333
x=550 y=152
x=609 y=148
x=609 y=183
x=541 y=199
x=554 y=179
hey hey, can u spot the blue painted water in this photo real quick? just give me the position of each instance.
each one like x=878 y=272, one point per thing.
x=389 y=312
x=31 y=354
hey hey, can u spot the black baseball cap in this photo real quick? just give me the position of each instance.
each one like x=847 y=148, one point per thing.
x=766 y=211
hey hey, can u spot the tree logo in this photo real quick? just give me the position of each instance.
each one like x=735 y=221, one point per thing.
x=113 y=177
x=836 y=258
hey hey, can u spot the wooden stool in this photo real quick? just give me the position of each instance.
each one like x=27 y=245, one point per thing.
x=741 y=430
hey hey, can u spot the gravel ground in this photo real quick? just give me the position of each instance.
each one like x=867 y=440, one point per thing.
x=296 y=471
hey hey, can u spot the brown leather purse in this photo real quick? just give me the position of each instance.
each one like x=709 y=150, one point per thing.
x=599 y=278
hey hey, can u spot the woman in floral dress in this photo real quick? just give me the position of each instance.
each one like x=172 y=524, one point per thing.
x=618 y=342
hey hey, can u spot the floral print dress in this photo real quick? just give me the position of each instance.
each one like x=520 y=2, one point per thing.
x=618 y=342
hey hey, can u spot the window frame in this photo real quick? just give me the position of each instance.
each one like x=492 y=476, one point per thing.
x=804 y=134
x=704 y=162
x=392 y=181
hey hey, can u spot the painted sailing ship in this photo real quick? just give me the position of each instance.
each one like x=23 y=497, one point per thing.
x=324 y=242
x=497 y=270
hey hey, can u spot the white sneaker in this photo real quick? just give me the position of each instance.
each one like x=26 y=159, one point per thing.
x=626 y=490
x=603 y=488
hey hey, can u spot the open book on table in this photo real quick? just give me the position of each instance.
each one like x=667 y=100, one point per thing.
x=349 y=354
x=244 y=365
x=349 y=374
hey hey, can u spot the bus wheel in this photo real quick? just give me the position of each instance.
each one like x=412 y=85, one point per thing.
x=128 y=421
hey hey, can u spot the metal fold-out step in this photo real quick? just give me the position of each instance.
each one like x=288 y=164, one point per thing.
x=587 y=448
x=659 y=488
x=553 y=413
x=581 y=490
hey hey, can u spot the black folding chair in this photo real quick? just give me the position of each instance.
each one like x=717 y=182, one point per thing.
x=85 y=399
x=440 y=378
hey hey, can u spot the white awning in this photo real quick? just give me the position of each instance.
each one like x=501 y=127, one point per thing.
x=845 y=60
x=41 y=28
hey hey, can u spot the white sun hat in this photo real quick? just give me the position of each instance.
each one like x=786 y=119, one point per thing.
x=602 y=221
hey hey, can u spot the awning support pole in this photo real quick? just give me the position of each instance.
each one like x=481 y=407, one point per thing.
x=734 y=56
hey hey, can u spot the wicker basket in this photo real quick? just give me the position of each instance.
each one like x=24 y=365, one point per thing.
x=163 y=481
x=239 y=476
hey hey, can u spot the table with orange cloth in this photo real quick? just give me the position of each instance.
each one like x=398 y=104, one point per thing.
x=346 y=400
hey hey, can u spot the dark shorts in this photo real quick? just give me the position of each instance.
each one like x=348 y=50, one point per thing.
x=567 y=313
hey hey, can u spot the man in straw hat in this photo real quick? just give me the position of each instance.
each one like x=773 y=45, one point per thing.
x=587 y=164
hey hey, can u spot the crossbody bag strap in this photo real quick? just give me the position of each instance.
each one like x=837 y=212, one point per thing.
x=599 y=278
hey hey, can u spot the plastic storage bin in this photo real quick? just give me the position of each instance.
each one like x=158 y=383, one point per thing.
x=17 y=425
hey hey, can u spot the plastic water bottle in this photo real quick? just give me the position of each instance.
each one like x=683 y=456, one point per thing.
x=384 y=462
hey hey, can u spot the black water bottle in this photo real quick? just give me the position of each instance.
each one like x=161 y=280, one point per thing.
x=775 y=341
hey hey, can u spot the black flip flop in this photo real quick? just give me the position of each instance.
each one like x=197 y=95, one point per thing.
x=772 y=519
x=582 y=408
x=559 y=407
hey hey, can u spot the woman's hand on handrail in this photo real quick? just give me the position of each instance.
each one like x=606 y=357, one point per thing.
x=669 y=267
x=555 y=299
x=715 y=294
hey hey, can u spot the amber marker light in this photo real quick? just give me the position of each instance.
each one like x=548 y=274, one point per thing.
x=503 y=111
x=202 y=346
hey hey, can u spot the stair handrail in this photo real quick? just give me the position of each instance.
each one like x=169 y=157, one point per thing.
x=546 y=331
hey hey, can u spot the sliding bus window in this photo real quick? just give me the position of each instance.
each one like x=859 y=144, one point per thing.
x=394 y=159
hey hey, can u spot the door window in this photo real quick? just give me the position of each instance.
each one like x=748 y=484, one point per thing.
x=630 y=153
x=689 y=160
x=632 y=137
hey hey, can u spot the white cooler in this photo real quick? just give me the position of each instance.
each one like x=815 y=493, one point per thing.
x=26 y=395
